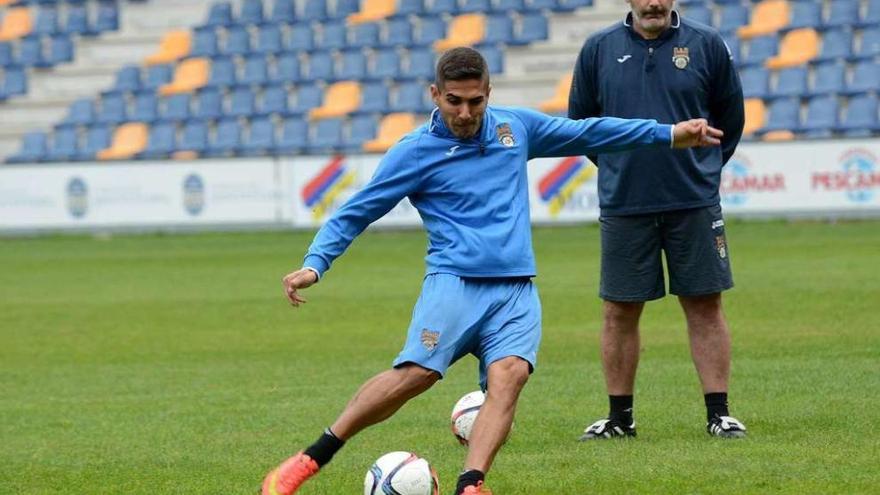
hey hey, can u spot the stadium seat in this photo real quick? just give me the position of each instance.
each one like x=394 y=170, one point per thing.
x=6 y=55
x=410 y=7
x=373 y=10
x=353 y=66
x=157 y=76
x=474 y=6
x=308 y=96
x=869 y=47
x=30 y=52
x=860 y=118
x=872 y=15
x=805 y=14
x=533 y=27
x=145 y=108
x=768 y=17
x=301 y=39
x=222 y=72
x=320 y=67
x=161 y=141
x=77 y=21
x=327 y=136
x=227 y=139
x=97 y=139
x=128 y=79
x=333 y=36
x=420 y=65
x=287 y=69
x=385 y=64
x=509 y=6
x=431 y=30
x=756 y=116
x=344 y=8
x=47 y=20
x=238 y=41
x=865 y=78
x=494 y=58
x=778 y=135
x=294 y=136
x=732 y=17
x=273 y=101
x=760 y=49
x=411 y=97
x=270 y=39
x=128 y=140
x=209 y=104
x=176 y=108
x=340 y=99
x=797 y=48
x=80 y=112
x=190 y=75
x=391 y=129
x=33 y=149
x=193 y=139
x=284 y=12
x=242 y=103
x=374 y=98
x=699 y=13
x=558 y=103
x=251 y=12
x=836 y=44
x=791 y=82
x=570 y=5
x=16 y=24
x=439 y=7
x=464 y=30
x=365 y=35
x=499 y=29
x=107 y=18
x=828 y=78
x=15 y=82
x=256 y=71
x=821 y=117
x=113 y=109
x=843 y=13
x=755 y=82
x=204 y=42
x=314 y=10
x=362 y=129
x=783 y=115
x=65 y=144
x=219 y=15
x=60 y=50
x=174 y=46
x=399 y=33
x=260 y=138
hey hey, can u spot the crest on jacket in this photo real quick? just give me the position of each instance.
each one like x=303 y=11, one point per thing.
x=505 y=135
x=430 y=339
x=680 y=57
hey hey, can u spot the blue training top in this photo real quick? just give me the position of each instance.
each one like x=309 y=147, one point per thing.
x=473 y=194
x=686 y=73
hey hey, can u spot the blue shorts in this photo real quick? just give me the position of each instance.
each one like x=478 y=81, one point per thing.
x=489 y=318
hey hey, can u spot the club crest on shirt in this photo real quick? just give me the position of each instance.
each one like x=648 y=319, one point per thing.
x=721 y=246
x=680 y=57
x=430 y=339
x=505 y=135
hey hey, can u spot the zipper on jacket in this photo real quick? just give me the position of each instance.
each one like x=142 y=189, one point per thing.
x=649 y=63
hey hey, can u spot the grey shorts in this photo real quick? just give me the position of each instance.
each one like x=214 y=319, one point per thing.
x=697 y=255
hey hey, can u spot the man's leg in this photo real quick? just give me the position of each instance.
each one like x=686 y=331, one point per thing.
x=506 y=379
x=376 y=400
x=710 y=340
x=620 y=345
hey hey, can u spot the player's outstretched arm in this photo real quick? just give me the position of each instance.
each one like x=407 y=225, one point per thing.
x=294 y=281
x=695 y=132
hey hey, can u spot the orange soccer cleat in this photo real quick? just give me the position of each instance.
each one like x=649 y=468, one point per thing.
x=290 y=475
x=477 y=489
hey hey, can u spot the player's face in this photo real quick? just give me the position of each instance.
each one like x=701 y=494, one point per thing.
x=462 y=105
x=652 y=16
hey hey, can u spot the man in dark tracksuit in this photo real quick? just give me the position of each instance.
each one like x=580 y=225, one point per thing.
x=658 y=65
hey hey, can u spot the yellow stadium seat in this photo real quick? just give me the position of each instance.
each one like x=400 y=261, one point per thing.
x=4 y=3
x=184 y=155
x=778 y=136
x=797 y=48
x=128 y=140
x=558 y=103
x=190 y=75
x=373 y=10
x=768 y=17
x=174 y=46
x=756 y=115
x=464 y=30
x=17 y=23
x=391 y=129
x=340 y=99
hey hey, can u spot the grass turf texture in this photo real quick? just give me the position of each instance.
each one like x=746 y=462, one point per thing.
x=153 y=364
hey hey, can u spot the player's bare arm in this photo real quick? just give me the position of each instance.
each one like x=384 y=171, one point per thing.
x=300 y=279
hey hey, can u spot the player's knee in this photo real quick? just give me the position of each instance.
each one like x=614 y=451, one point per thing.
x=509 y=375
x=622 y=316
x=417 y=378
x=706 y=307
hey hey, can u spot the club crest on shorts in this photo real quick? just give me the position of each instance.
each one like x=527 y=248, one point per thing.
x=430 y=339
x=721 y=246
x=505 y=135
x=680 y=57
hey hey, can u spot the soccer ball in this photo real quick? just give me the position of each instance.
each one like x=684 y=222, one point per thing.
x=464 y=414
x=401 y=473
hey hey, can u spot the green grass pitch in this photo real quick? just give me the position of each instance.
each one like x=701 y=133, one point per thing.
x=173 y=365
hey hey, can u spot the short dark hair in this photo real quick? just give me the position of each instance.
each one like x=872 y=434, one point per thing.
x=461 y=64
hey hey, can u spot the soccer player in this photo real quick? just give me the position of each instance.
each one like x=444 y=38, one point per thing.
x=465 y=172
x=658 y=65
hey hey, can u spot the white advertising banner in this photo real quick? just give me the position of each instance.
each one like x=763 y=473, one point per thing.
x=563 y=190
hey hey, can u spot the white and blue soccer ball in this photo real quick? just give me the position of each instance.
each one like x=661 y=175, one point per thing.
x=464 y=415
x=401 y=473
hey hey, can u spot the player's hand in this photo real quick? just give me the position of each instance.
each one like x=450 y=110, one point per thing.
x=299 y=279
x=696 y=132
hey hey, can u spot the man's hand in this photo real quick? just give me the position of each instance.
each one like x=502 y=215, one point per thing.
x=299 y=279
x=695 y=132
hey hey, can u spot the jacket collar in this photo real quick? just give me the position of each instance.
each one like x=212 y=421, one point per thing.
x=676 y=23
x=437 y=127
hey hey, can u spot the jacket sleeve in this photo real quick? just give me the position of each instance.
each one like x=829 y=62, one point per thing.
x=396 y=178
x=726 y=107
x=559 y=136
x=582 y=101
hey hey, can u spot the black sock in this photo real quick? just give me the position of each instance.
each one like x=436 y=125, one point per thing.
x=716 y=405
x=621 y=408
x=468 y=478
x=324 y=448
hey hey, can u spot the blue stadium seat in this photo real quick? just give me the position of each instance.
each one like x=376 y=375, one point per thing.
x=219 y=15
x=363 y=128
x=333 y=36
x=251 y=12
x=294 y=136
x=314 y=10
x=791 y=82
x=475 y=6
x=209 y=104
x=274 y=101
x=15 y=82
x=194 y=137
x=6 y=55
x=365 y=35
x=33 y=149
x=260 y=138
x=569 y=5
x=437 y=7
x=843 y=13
x=80 y=112
x=410 y=7
x=60 y=49
x=784 y=114
x=828 y=78
x=77 y=21
x=308 y=96
x=374 y=98
x=699 y=13
x=872 y=15
x=411 y=97
x=320 y=67
x=732 y=16
x=343 y=8
x=176 y=108
x=399 y=32
x=386 y=64
x=420 y=66
x=836 y=43
x=242 y=104
x=534 y=27
x=866 y=78
x=108 y=17
x=327 y=136
x=287 y=69
x=821 y=117
x=860 y=119
x=256 y=71
x=270 y=39
x=499 y=29
x=65 y=144
x=284 y=12
x=755 y=82
x=301 y=39
x=113 y=109
x=30 y=52
x=97 y=138
x=494 y=58
x=238 y=41
x=157 y=75
x=869 y=48
x=204 y=42
x=805 y=14
x=353 y=66
x=47 y=21
x=541 y=4
x=509 y=6
x=227 y=139
x=222 y=72
x=760 y=49
x=145 y=108
x=162 y=141
x=430 y=30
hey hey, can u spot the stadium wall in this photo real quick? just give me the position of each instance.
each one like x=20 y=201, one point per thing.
x=827 y=179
